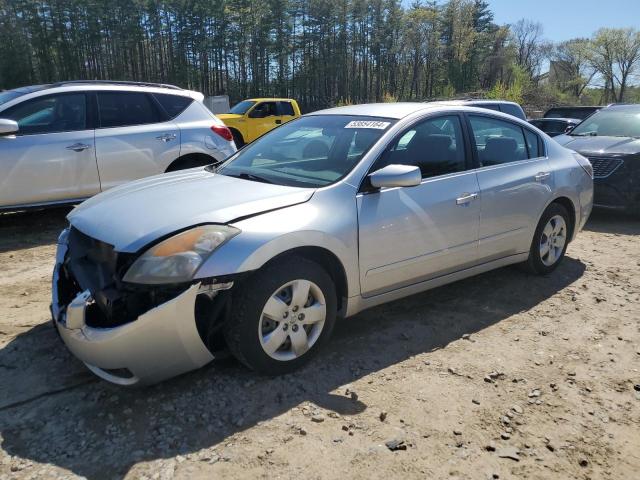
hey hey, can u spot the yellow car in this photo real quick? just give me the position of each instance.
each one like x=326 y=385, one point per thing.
x=254 y=117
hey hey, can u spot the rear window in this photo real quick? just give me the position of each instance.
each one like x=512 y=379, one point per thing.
x=286 y=108
x=174 y=105
x=120 y=109
x=514 y=110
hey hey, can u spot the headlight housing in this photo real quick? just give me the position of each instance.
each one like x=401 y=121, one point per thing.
x=177 y=258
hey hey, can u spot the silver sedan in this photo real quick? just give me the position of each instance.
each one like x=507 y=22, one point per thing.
x=323 y=217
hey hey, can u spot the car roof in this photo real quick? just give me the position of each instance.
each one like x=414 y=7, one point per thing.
x=554 y=119
x=624 y=106
x=473 y=102
x=268 y=99
x=400 y=110
x=395 y=110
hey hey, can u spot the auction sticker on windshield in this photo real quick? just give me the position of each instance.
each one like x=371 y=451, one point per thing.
x=367 y=124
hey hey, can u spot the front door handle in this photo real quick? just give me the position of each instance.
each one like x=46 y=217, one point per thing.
x=78 y=147
x=278 y=122
x=167 y=137
x=541 y=176
x=466 y=198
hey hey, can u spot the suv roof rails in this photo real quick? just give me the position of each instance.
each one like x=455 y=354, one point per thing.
x=116 y=82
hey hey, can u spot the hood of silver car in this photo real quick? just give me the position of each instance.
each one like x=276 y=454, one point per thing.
x=133 y=215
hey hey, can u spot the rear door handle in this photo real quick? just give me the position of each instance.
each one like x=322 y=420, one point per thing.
x=78 y=147
x=167 y=137
x=278 y=122
x=466 y=198
x=540 y=176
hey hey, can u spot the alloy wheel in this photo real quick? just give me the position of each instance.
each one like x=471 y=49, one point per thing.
x=553 y=240
x=292 y=320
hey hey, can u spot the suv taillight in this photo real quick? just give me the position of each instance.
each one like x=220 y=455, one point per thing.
x=584 y=163
x=223 y=131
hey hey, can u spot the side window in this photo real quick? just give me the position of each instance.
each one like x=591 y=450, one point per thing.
x=497 y=141
x=119 y=109
x=533 y=144
x=513 y=110
x=286 y=108
x=263 y=110
x=174 y=105
x=436 y=145
x=50 y=114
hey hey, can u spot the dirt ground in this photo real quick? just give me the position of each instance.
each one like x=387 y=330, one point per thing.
x=500 y=376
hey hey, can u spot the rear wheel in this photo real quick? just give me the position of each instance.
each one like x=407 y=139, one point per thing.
x=550 y=240
x=281 y=316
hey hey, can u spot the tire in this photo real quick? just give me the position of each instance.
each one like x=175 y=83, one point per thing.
x=264 y=320
x=237 y=138
x=552 y=236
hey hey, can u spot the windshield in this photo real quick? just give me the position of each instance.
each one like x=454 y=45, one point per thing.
x=242 y=107
x=309 y=152
x=9 y=95
x=612 y=122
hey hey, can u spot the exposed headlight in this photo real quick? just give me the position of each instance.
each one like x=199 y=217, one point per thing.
x=176 y=259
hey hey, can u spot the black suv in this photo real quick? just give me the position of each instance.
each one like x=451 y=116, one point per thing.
x=610 y=139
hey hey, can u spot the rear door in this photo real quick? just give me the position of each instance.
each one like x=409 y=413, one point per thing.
x=515 y=181
x=52 y=157
x=412 y=234
x=135 y=139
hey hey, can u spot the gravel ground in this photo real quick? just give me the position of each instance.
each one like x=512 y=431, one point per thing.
x=500 y=376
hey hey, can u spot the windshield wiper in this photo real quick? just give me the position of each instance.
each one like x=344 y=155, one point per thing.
x=252 y=177
x=587 y=134
x=213 y=167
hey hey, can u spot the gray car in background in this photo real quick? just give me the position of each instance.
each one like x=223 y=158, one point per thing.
x=64 y=142
x=319 y=219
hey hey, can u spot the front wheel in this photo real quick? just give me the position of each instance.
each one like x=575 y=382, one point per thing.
x=550 y=240
x=281 y=316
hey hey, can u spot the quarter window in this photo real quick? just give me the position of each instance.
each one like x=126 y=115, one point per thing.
x=174 y=105
x=120 y=109
x=435 y=145
x=533 y=144
x=497 y=141
x=50 y=114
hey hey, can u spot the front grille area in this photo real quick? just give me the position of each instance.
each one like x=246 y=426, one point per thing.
x=95 y=266
x=604 y=166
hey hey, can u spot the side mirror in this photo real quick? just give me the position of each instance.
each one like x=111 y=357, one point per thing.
x=396 y=176
x=257 y=113
x=8 y=127
x=569 y=128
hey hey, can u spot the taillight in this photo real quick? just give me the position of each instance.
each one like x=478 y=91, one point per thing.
x=223 y=131
x=584 y=163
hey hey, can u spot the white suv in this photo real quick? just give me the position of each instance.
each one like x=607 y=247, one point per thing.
x=64 y=142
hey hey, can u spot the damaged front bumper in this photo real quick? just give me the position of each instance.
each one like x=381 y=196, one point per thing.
x=161 y=343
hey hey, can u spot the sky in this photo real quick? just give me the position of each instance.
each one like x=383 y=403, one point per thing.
x=566 y=19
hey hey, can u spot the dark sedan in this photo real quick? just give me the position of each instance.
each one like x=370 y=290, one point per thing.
x=554 y=126
x=610 y=139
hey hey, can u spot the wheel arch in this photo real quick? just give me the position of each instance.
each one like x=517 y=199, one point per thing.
x=328 y=261
x=190 y=160
x=570 y=206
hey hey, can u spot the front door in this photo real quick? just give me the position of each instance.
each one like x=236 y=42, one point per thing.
x=515 y=181
x=412 y=234
x=263 y=117
x=52 y=157
x=133 y=140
